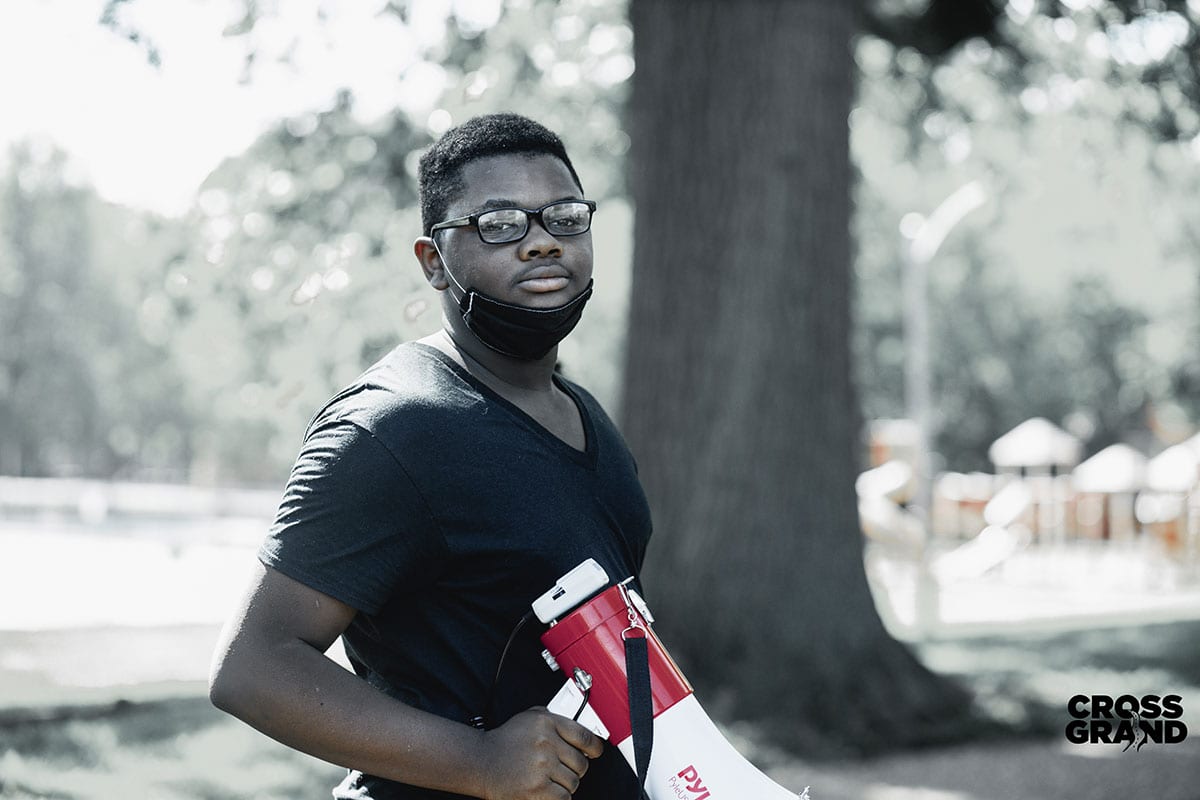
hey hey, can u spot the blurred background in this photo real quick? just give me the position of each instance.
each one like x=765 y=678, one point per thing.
x=206 y=219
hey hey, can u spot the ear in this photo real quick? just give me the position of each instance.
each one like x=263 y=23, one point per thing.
x=431 y=263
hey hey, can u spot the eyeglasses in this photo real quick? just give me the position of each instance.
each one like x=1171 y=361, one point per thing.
x=503 y=225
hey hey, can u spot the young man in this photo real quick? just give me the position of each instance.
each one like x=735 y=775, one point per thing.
x=436 y=497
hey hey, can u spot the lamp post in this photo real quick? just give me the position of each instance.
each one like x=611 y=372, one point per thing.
x=924 y=240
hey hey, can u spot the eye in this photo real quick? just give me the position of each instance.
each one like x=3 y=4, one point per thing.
x=500 y=222
x=495 y=225
x=566 y=223
x=569 y=218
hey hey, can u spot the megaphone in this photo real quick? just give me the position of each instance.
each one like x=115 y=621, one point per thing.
x=589 y=627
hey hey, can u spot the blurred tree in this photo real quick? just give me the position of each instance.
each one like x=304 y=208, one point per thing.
x=1056 y=110
x=1154 y=44
x=1185 y=376
x=292 y=284
x=1074 y=362
x=48 y=393
x=85 y=388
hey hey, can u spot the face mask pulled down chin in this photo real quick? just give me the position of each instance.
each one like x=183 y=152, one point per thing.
x=518 y=331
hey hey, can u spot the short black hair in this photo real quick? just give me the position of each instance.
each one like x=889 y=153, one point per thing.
x=439 y=175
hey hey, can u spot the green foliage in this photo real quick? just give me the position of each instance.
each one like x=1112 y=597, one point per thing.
x=85 y=387
x=1005 y=359
x=1151 y=44
x=198 y=349
x=572 y=77
x=111 y=18
x=302 y=272
x=298 y=277
x=1056 y=298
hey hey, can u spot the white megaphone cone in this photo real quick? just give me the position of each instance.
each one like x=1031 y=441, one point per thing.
x=690 y=759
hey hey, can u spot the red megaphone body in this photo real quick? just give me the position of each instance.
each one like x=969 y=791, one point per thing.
x=691 y=759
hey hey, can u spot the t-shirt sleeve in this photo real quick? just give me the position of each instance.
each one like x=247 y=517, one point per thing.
x=351 y=523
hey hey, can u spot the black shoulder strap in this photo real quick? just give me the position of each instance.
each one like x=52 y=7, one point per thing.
x=641 y=703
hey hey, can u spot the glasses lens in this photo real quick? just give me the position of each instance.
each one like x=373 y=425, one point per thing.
x=567 y=219
x=503 y=225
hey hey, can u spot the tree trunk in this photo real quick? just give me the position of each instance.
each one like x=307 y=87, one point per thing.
x=738 y=400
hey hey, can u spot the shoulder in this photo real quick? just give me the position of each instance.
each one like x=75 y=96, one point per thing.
x=413 y=385
x=416 y=405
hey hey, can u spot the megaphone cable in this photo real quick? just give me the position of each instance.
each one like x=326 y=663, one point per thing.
x=584 y=681
x=482 y=721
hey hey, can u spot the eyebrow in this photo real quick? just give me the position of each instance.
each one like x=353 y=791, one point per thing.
x=492 y=203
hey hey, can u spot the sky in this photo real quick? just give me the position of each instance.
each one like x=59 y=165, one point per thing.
x=147 y=137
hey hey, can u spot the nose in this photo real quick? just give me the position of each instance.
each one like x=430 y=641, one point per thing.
x=539 y=243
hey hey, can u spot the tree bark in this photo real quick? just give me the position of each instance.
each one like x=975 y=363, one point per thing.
x=738 y=399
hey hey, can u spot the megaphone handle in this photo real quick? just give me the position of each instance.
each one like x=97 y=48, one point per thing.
x=641 y=703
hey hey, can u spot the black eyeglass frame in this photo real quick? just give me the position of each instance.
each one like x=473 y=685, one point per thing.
x=530 y=213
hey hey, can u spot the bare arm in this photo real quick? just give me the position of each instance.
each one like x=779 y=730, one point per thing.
x=271 y=672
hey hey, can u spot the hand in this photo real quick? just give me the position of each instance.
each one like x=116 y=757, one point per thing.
x=537 y=755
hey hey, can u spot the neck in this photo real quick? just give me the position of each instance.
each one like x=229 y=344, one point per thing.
x=503 y=373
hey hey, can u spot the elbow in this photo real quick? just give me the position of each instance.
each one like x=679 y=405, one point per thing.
x=243 y=679
x=226 y=684
x=220 y=691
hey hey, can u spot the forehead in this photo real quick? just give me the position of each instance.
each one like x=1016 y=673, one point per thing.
x=529 y=181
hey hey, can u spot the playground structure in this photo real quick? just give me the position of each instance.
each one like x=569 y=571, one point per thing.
x=1040 y=495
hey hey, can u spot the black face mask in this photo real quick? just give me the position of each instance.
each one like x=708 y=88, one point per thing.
x=518 y=331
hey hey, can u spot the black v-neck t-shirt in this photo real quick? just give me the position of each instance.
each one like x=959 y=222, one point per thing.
x=440 y=511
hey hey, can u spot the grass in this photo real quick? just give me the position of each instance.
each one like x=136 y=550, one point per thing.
x=163 y=750
x=184 y=749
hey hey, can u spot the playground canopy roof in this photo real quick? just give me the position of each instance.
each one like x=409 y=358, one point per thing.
x=1116 y=468
x=1035 y=442
x=1174 y=469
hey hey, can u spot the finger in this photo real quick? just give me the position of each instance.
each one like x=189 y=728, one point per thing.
x=580 y=737
x=573 y=760
x=565 y=778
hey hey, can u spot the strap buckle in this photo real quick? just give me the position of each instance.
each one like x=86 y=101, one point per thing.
x=635 y=621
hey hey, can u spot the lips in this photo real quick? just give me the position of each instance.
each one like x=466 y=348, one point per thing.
x=546 y=278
